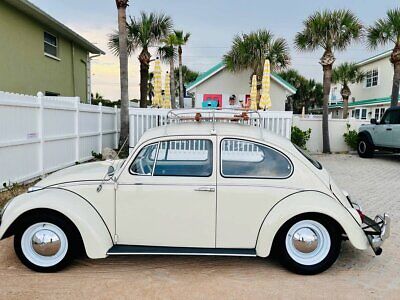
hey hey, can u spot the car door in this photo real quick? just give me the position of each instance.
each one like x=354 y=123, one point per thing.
x=252 y=178
x=395 y=123
x=167 y=195
x=383 y=132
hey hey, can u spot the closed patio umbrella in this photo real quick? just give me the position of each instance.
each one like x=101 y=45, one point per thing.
x=167 y=92
x=265 y=101
x=157 y=100
x=253 y=93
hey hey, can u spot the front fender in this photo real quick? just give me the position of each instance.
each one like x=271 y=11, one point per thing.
x=309 y=202
x=95 y=234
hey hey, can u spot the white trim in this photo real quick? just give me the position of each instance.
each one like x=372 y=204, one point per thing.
x=223 y=67
x=51 y=56
x=374 y=58
x=206 y=78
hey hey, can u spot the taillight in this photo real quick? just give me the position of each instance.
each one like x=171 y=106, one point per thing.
x=362 y=216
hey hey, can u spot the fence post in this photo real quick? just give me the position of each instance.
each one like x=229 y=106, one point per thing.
x=116 y=127
x=100 y=127
x=77 y=152
x=40 y=133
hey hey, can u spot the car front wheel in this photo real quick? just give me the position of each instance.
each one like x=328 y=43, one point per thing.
x=364 y=148
x=309 y=245
x=44 y=244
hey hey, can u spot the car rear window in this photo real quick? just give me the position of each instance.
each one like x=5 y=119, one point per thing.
x=241 y=158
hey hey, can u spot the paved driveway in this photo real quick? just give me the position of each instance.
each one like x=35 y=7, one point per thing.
x=374 y=182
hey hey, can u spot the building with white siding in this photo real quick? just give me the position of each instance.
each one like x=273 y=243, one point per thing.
x=219 y=84
x=370 y=98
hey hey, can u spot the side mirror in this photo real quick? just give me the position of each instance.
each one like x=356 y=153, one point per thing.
x=373 y=121
x=110 y=171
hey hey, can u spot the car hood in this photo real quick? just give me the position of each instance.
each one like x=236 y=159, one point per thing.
x=79 y=173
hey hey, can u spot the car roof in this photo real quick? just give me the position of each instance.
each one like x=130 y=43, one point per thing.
x=219 y=129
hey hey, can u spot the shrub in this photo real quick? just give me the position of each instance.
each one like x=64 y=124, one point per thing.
x=351 y=138
x=300 y=137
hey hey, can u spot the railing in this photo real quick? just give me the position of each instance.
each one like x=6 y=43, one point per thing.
x=142 y=119
x=41 y=134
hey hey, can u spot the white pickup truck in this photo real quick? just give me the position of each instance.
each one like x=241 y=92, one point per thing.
x=382 y=135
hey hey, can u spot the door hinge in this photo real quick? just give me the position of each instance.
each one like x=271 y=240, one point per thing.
x=115 y=238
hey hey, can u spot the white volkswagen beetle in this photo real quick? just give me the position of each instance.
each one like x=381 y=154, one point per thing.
x=193 y=188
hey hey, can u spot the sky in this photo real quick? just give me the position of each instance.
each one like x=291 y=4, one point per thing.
x=212 y=25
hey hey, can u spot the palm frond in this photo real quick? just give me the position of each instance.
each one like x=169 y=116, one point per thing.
x=329 y=30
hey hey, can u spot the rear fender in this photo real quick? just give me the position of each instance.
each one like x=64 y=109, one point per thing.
x=309 y=202
x=95 y=235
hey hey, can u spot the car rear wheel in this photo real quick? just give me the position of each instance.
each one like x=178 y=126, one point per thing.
x=308 y=245
x=364 y=148
x=44 y=244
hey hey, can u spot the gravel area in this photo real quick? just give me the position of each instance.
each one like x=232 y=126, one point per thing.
x=357 y=274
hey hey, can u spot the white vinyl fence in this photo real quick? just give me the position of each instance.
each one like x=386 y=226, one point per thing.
x=337 y=127
x=41 y=134
x=142 y=119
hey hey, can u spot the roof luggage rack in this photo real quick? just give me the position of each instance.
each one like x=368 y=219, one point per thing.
x=213 y=116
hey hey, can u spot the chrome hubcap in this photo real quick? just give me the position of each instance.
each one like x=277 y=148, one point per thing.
x=46 y=242
x=305 y=240
x=308 y=242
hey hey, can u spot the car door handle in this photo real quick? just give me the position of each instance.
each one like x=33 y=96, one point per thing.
x=389 y=129
x=205 y=189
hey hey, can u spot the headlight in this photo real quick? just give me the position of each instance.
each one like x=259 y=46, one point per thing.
x=34 y=188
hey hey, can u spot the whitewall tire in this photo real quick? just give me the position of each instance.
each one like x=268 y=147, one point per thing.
x=45 y=244
x=308 y=244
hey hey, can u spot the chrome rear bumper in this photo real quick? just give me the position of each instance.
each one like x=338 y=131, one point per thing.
x=377 y=231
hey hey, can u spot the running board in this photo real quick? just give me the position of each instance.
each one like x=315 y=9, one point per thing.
x=151 y=250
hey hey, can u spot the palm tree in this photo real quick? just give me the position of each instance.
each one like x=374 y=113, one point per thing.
x=168 y=54
x=181 y=39
x=123 y=69
x=249 y=51
x=329 y=30
x=188 y=76
x=386 y=31
x=345 y=74
x=144 y=32
x=309 y=92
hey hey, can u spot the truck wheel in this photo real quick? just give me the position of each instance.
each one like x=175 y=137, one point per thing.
x=364 y=148
x=308 y=245
x=44 y=244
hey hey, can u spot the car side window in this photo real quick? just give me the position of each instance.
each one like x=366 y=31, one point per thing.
x=395 y=119
x=144 y=161
x=240 y=158
x=190 y=158
x=386 y=118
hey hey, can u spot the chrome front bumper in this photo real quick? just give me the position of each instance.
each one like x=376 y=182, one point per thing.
x=377 y=231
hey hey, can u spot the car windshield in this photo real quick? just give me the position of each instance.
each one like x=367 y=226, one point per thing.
x=315 y=162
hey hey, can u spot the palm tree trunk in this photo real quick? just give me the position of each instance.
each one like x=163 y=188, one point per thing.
x=326 y=148
x=144 y=77
x=172 y=78
x=345 y=92
x=396 y=83
x=345 y=107
x=123 y=61
x=144 y=59
x=181 y=101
